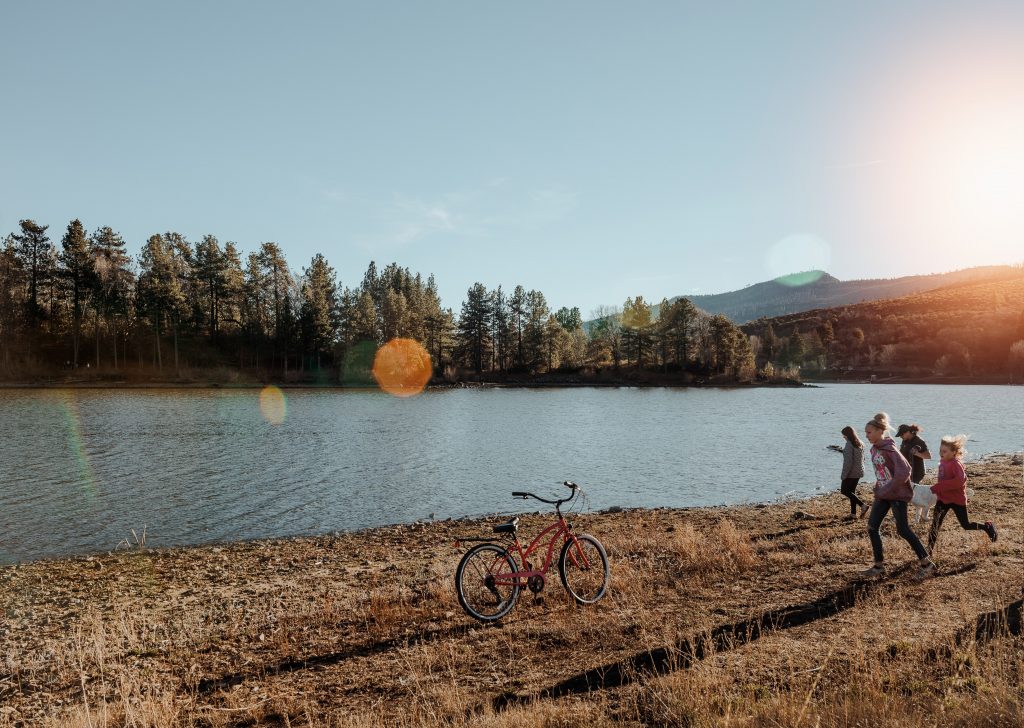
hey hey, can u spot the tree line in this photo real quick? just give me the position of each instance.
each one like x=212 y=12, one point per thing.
x=183 y=305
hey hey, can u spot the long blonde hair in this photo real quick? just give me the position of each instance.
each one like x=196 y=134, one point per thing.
x=880 y=422
x=956 y=444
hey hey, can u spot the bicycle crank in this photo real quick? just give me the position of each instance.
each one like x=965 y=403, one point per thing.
x=535 y=583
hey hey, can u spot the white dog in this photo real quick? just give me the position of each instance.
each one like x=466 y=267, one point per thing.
x=924 y=500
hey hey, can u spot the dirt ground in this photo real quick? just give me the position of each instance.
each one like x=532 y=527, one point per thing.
x=752 y=615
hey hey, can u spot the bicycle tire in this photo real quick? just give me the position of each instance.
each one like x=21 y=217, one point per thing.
x=586 y=583
x=480 y=600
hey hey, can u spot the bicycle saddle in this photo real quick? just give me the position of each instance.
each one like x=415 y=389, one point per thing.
x=509 y=527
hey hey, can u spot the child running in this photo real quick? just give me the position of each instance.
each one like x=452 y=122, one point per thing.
x=951 y=491
x=892 y=492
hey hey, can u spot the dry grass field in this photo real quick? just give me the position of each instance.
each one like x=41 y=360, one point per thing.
x=744 y=616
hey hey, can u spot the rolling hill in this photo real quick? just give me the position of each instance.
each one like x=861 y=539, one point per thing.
x=817 y=289
x=973 y=329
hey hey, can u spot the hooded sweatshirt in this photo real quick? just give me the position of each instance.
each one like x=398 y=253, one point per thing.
x=951 y=486
x=892 y=472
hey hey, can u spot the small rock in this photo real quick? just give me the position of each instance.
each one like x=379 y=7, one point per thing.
x=614 y=509
x=804 y=516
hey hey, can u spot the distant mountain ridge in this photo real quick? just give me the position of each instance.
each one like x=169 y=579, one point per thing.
x=817 y=289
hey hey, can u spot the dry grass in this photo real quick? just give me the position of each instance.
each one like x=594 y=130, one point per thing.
x=364 y=630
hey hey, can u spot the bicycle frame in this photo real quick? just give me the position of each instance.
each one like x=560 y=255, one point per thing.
x=521 y=578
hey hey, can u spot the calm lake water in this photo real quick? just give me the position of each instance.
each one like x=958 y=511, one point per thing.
x=80 y=468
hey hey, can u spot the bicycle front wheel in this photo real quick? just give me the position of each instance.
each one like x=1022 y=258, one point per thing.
x=481 y=592
x=583 y=566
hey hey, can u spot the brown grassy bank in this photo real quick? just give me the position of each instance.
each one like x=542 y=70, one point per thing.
x=740 y=616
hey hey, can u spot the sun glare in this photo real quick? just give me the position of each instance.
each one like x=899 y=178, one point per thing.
x=402 y=367
x=952 y=137
x=988 y=176
x=273 y=405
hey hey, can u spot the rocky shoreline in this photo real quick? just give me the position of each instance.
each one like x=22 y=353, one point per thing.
x=364 y=628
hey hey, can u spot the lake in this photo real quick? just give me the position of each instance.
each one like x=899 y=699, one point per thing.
x=81 y=468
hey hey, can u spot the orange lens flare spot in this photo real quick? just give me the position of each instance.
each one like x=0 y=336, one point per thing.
x=402 y=367
x=273 y=405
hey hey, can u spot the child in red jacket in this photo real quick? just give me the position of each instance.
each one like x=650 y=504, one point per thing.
x=951 y=491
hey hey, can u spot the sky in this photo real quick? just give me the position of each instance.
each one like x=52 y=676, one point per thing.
x=590 y=150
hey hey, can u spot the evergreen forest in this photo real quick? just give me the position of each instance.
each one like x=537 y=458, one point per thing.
x=87 y=306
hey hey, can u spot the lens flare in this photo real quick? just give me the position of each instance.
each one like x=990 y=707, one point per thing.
x=402 y=367
x=808 y=256
x=273 y=405
x=68 y=404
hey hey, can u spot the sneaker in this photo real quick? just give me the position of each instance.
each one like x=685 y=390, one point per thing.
x=863 y=509
x=873 y=571
x=990 y=529
x=923 y=572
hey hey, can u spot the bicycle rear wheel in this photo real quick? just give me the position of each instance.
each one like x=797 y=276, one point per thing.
x=583 y=566
x=482 y=595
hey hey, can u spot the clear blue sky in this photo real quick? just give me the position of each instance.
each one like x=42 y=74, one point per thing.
x=591 y=150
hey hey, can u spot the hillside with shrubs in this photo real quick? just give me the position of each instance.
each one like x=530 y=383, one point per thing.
x=817 y=289
x=972 y=332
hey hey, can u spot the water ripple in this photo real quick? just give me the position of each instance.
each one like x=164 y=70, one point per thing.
x=80 y=469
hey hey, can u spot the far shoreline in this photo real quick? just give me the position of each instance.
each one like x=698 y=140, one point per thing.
x=440 y=386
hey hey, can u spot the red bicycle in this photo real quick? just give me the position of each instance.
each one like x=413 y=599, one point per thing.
x=491 y=575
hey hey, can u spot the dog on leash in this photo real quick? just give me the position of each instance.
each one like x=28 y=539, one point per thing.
x=924 y=500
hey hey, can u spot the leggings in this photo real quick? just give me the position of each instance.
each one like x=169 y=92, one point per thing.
x=939 y=514
x=879 y=509
x=849 y=489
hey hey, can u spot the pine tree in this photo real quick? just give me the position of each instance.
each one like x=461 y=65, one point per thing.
x=210 y=270
x=33 y=249
x=78 y=270
x=636 y=323
x=556 y=342
x=160 y=296
x=796 y=350
x=364 y=319
x=179 y=252
x=501 y=333
x=11 y=284
x=319 y=310
x=112 y=280
x=771 y=343
x=475 y=326
x=277 y=280
x=533 y=335
x=230 y=301
x=517 y=311
x=569 y=318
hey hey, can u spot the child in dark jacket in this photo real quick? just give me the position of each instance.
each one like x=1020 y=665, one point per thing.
x=893 y=491
x=951 y=491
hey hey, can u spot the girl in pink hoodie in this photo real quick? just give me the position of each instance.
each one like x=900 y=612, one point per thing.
x=893 y=491
x=951 y=491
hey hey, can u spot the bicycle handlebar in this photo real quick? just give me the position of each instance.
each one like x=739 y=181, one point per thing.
x=557 y=502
